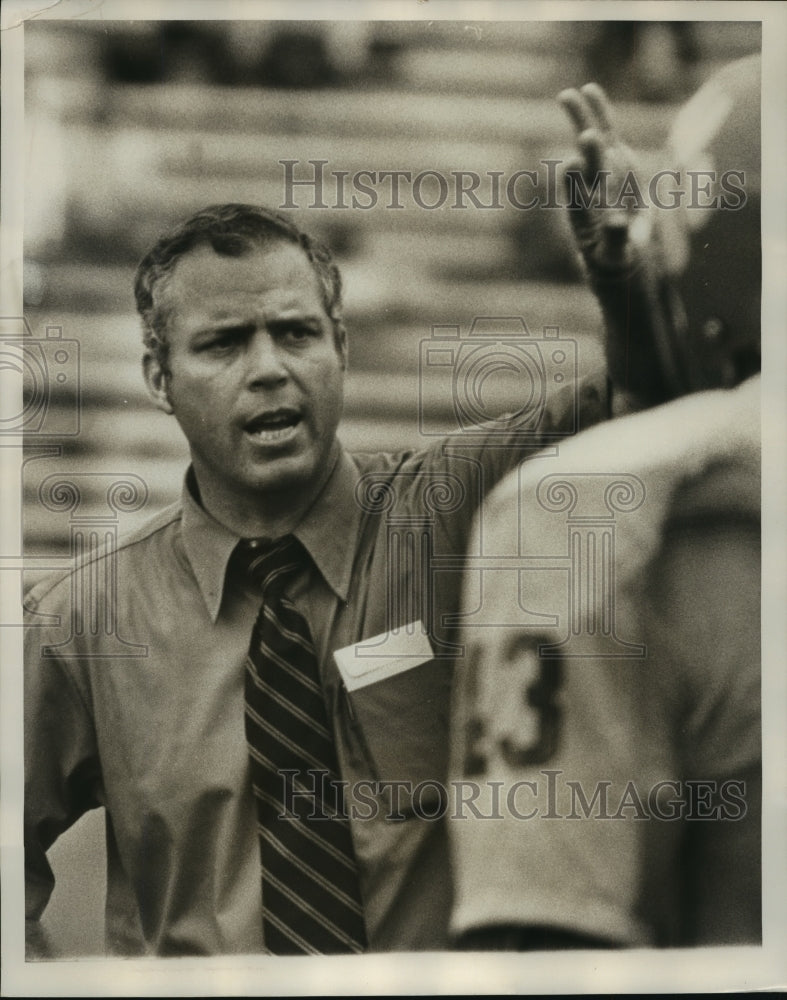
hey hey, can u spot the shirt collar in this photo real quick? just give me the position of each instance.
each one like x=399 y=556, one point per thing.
x=328 y=531
x=330 y=527
x=208 y=546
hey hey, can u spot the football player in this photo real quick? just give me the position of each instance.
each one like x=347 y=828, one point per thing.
x=607 y=750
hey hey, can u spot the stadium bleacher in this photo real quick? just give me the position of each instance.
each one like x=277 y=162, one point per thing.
x=129 y=129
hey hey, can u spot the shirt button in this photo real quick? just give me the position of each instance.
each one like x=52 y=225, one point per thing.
x=254 y=543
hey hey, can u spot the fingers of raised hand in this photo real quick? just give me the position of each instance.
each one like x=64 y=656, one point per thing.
x=598 y=102
x=593 y=150
x=589 y=111
x=588 y=108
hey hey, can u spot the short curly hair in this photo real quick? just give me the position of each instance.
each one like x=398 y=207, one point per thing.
x=232 y=230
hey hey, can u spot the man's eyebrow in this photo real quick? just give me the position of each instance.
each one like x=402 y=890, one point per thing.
x=295 y=313
x=228 y=325
x=287 y=319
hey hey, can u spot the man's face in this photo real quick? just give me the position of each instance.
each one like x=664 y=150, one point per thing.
x=255 y=376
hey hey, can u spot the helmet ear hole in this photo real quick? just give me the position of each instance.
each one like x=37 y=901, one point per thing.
x=712 y=329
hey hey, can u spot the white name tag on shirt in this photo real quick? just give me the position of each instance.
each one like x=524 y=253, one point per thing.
x=383 y=656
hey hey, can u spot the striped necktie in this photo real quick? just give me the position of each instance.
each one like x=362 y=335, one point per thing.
x=310 y=896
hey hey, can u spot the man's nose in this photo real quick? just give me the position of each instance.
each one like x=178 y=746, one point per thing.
x=265 y=360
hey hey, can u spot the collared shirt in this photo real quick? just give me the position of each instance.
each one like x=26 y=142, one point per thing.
x=134 y=701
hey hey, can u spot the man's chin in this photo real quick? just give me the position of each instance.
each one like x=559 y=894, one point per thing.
x=293 y=476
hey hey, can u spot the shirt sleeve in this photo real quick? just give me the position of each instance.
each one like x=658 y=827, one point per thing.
x=705 y=618
x=706 y=622
x=62 y=772
x=470 y=464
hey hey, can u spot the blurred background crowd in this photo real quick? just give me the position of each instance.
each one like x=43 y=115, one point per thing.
x=131 y=126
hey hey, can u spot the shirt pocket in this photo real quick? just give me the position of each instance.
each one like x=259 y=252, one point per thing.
x=402 y=722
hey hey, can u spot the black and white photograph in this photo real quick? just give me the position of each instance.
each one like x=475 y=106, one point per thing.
x=393 y=435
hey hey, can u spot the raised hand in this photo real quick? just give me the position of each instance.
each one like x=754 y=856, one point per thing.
x=618 y=235
x=607 y=209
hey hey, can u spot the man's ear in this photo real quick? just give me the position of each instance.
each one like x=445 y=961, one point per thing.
x=157 y=381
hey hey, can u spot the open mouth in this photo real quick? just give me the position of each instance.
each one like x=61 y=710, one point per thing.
x=273 y=427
